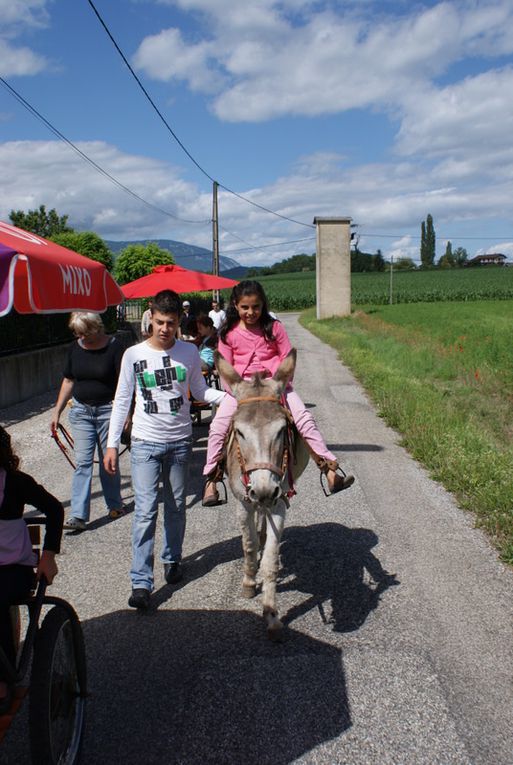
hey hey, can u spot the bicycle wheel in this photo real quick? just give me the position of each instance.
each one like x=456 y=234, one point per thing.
x=57 y=690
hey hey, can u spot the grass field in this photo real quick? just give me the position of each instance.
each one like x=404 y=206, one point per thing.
x=442 y=375
x=291 y=292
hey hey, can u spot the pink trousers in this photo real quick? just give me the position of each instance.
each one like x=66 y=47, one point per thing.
x=305 y=423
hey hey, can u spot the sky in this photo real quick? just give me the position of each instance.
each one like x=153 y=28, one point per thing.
x=381 y=111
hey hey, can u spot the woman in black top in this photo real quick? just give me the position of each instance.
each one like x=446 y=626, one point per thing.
x=90 y=377
x=17 y=559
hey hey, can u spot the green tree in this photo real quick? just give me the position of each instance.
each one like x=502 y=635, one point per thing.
x=378 y=261
x=404 y=264
x=460 y=256
x=427 y=242
x=86 y=243
x=40 y=222
x=137 y=260
x=447 y=259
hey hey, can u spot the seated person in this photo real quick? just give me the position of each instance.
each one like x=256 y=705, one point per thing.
x=208 y=342
x=17 y=559
x=190 y=331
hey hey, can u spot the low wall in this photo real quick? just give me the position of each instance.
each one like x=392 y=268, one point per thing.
x=24 y=375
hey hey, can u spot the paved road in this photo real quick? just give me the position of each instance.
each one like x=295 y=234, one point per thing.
x=400 y=629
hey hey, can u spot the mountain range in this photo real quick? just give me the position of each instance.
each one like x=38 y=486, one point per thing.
x=188 y=256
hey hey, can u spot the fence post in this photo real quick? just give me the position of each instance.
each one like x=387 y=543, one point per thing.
x=333 y=267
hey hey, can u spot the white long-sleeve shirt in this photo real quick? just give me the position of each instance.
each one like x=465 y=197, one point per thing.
x=161 y=380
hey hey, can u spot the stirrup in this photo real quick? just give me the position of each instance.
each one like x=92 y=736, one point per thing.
x=347 y=481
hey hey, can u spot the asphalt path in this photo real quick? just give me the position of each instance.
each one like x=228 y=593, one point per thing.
x=399 y=628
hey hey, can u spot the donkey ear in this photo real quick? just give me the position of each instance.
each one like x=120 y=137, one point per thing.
x=285 y=371
x=227 y=372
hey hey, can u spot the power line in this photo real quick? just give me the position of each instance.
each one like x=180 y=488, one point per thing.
x=169 y=128
x=266 y=246
x=439 y=236
x=88 y=159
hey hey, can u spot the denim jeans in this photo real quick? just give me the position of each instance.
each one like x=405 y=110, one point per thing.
x=149 y=462
x=90 y=427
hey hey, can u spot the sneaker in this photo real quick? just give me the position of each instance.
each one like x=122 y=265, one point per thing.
x=140 y=598
x=75 y=524
x=173 y=572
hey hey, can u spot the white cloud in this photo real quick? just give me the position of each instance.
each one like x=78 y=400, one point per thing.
x=277 y=61
x=17 y=17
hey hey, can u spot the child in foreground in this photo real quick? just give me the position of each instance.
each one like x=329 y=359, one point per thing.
x=252 y=341
x=17 y=559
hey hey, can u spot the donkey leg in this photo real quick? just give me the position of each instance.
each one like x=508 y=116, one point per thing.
x=270 y=566
x=250 y=550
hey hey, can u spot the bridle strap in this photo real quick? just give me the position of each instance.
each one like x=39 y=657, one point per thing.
x=250 y=400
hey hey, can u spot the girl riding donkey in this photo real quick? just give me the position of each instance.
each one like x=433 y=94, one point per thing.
x=252 y=341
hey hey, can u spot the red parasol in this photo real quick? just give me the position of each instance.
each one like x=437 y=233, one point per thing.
x=39 y=276
x=175 y=278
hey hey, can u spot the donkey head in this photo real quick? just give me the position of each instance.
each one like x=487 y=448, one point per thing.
x=256 y=461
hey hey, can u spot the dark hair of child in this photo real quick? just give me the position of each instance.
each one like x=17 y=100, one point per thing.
x=244 y=289
x=205 y=321
x=8 y=459
x=166 y=302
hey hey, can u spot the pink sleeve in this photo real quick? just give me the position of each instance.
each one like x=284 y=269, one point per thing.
x=282 y=340
x=225 y=350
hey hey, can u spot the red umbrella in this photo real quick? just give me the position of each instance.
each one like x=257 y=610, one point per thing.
x=175 y=278
x=38 y=276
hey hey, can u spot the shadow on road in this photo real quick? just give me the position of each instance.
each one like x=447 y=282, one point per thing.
x=207 y=687
x=335 y=565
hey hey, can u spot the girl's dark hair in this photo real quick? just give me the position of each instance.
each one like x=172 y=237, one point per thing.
x=8 y=459
x=205 y=321
x=242 y=289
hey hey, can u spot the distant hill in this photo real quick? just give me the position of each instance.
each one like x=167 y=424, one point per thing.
x=186 y=255
x=239 y=272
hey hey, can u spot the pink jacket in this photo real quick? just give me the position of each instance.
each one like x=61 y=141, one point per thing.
x=248 y=351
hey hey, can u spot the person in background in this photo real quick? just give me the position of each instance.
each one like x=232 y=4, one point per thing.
x=252 y=341
x=161 y=371
x=146 y=327
x=186 y=317
x=90 y=379
x=217 y=315
x=190 y=332
x=208 y=342
x=17 y=559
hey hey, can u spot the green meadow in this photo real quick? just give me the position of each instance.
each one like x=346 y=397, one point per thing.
x=293 y=292
x=441 y=374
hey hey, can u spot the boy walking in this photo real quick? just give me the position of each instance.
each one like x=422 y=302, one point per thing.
x=161 y=370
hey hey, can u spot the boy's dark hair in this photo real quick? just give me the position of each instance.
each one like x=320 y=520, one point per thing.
x=166 y=301
x=8 y=459
x=247 y=287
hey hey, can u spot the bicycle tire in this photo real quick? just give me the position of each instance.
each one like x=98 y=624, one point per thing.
x=57 y=692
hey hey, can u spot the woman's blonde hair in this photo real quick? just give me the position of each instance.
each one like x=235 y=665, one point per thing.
x=85 y=323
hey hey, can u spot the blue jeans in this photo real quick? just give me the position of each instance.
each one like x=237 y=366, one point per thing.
x=149 y=462
x=90 y=427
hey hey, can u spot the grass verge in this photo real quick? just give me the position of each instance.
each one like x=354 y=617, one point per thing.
x=442 y=375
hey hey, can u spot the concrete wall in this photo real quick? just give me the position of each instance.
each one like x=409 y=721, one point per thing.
x=333 y=267
x=24 y=375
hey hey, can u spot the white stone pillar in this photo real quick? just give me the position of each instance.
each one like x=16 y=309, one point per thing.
x=333 y=267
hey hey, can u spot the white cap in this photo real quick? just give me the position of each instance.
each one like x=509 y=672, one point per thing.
x=185 y=302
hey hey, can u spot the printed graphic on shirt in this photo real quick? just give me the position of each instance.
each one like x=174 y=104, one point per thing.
x=157 y=380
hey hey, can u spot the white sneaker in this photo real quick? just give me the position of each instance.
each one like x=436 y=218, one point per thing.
x=75 y=524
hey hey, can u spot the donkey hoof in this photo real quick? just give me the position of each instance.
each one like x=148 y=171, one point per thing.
x=248 y=591
x=276 y=633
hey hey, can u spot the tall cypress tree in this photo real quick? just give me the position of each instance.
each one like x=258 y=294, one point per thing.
x=423 y=243
x=430 y=241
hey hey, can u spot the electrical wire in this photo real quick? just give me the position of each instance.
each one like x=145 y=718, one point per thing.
x=267 y=246
x=88 y=159
x=179 y=142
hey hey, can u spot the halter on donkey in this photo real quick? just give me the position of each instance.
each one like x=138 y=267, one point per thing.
x=262 y=463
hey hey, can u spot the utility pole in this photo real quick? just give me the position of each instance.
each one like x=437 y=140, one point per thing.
x=391 y=296
x=215 y=238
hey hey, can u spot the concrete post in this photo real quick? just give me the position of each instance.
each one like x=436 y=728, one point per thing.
x=333 y=267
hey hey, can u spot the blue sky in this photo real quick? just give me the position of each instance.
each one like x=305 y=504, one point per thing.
x=381 y=111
